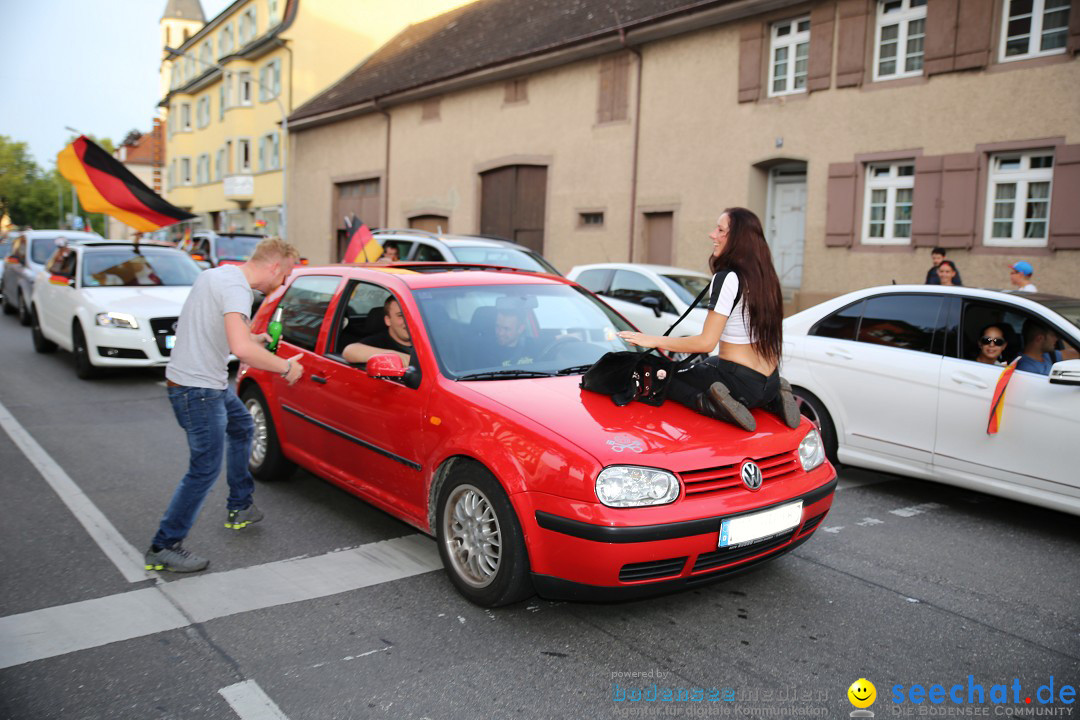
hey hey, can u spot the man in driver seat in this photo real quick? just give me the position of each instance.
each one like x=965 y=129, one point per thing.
x=395 y=338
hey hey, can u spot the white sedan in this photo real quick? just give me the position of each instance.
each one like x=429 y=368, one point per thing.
x=652 y=297
x=112 y=304
x=889 y=376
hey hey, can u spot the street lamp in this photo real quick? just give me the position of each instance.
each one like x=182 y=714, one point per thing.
x=284 y=131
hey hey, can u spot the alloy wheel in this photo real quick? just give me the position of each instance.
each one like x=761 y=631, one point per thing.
x=472 y=536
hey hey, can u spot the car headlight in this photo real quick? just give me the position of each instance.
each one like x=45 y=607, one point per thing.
x=629 y=486
x=117 y=320
x=811 y=451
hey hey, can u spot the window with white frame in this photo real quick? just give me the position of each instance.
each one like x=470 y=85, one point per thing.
x=185 y=116
x=227 y=83
x=1018 y=198
x=185 y=171
x=243 y=155
x=170 y=178
x=243 y=89
x=273 y=10
x=248 y=26
x=219 y=164
x=189 y=67
x=1033 y=28
x=221 y=101
x=269 y=152
x=890 y=187
x=899 y=39
x=270 y=80
x=789 y=53
x=226 y=41
x=202 y=112
x=202 y=169
x=206 y=57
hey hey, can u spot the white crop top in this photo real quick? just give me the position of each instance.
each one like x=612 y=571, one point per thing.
x=725 y=297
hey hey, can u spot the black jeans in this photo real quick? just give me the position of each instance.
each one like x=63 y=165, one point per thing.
x=749 y=387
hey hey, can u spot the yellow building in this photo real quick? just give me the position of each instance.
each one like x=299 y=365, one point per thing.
x=228 y=84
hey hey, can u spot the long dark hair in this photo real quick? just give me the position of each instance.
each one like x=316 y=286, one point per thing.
x=747 y=253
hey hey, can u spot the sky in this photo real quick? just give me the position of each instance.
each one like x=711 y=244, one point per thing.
x=88 y=64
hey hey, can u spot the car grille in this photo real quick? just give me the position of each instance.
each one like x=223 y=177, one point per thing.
x=651 y=570
x=710 y=561
x=162 y=327
x=725 y=479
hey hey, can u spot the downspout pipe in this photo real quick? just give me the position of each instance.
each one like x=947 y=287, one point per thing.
x=386 y=164
x=637 y=144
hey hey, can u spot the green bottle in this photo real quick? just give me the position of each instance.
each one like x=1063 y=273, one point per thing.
x=274 y=330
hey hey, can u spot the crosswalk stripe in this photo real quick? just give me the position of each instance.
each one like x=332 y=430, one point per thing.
x=249 y=701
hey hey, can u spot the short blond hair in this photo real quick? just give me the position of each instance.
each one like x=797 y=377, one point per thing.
x=274 y=248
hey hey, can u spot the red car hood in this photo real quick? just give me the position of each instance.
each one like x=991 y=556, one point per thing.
x=670 y=436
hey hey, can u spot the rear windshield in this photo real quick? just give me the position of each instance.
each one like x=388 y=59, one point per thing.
x=236 y=247
x=120 y=266
x=505 y=257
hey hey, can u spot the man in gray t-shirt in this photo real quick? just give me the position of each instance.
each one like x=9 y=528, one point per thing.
x=214 y=322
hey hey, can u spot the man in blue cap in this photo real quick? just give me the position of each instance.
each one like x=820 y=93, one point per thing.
x=1020 y=274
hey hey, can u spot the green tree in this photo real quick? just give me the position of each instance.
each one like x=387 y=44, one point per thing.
x=27 y=195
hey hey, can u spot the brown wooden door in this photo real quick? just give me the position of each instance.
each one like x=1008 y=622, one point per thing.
x=361 y=198
x=513 y=203
x=431 y=223
x=658 y=237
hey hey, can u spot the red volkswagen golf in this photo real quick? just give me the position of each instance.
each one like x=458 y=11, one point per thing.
x=485 y=440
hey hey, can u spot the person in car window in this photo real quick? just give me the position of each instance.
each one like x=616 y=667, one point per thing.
x=745 y=320
x=992 y=344
x=514 y=345
x=395 y=338
x=947 y=274
x=214 y=322
x=390 y=254
x=1039 y=348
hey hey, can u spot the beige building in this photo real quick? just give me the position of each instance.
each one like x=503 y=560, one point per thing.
x=228 y=84
x=863 y=132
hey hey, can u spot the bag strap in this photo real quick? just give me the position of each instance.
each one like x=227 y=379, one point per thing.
x=692 y=306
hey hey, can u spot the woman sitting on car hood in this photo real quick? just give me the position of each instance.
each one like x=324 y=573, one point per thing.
x=746 y=310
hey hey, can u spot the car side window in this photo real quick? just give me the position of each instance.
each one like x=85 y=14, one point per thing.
x=18 y=249
x=1010 y=320
x=907 y=322
x=635 y=287
x=842 y=324
x=428 y=253
x=362 y=315
x=54 y=264
x=303 y=308
x=65 y=263
x=595 y=280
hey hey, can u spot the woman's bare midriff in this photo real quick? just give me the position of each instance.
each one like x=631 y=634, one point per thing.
x=746 y=355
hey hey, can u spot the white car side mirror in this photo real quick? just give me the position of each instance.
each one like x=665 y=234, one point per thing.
x=1066 y=372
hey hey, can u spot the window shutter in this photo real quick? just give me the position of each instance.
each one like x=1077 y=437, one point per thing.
x=750 y=50
x=940 y=41
x=1064 y=210
x=607 y=82
x=840 y=206
x=959 y=189
x=851 y=43
x=926 y=201
x=1074 y=28
x=822 y=19
x=973 y=35
x=620 y=87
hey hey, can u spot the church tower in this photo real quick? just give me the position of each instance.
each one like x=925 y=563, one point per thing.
x=182 y=19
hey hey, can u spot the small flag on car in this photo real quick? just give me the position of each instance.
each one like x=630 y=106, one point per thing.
x=106 y=186
x=997 y=404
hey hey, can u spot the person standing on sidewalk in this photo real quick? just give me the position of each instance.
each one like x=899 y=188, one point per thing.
x=214 y=322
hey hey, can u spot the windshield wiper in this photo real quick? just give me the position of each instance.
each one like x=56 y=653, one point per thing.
x=574 y=370
x=499 y=374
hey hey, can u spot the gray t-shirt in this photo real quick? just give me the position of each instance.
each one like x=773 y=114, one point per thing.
x=201 y=355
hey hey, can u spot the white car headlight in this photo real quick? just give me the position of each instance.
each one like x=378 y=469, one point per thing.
x=117 y=320
x=630 y=486
x=811 y=451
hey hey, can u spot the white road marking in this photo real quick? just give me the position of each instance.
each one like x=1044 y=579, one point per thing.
x=123 y=554
x=870 y=521
x=913 y=510
x=249 y=701
x=68 y=628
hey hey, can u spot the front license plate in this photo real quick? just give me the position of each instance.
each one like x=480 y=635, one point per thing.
x=170 y=342
x=759 y=526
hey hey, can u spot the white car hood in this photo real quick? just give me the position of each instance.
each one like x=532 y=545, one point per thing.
x=139 y=301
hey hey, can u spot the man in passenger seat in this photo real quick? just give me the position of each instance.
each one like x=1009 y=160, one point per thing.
x=514 y=346
x=395 y=338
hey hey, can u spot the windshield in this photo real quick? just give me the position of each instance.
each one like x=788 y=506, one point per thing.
x=504 y=331
x=686 y=287
x=1068 y=309
x=236 y=247
x=123 y=266
x=504 y=256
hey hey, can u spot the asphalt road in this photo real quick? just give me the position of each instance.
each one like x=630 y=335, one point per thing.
x=906 y=583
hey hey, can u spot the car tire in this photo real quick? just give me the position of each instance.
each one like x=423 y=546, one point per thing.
x=41 y=344
x=814 y=410
x=266 y=462
x=24 y=311
x=480 y=539
x=84 y=368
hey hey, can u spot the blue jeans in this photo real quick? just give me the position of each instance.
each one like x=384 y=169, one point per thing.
x=209 y=417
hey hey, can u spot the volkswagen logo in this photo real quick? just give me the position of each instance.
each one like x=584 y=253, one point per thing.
x=751 y=475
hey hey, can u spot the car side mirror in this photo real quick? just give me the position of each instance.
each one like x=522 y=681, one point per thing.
x=653 y=304
x=387 y=365
x=1066 y=372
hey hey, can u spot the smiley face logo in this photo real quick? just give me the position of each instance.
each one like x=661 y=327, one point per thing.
x=862 y=693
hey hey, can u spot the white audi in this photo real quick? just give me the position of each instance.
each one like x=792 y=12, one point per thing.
x=112 y=304
x=901 y=379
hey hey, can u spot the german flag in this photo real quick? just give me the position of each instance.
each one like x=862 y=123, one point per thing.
x=363 y=247
x=997 y=402
x=106 y=186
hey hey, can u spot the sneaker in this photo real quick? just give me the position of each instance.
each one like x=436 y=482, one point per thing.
x=175 y=559
x=784 y=406
x=729 y=409
x=240 y=519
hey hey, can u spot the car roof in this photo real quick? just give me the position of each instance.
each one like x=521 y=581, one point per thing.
x=987 y=293
x=658 y=269
x=67 y=234
x=95 y=244
x=428 y=275
x=448 y=239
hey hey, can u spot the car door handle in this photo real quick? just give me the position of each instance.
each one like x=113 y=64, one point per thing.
x=318 y=379
x=964 y=379
x=835 y=352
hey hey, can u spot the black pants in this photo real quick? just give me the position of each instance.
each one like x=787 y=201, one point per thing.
x=749 y=387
